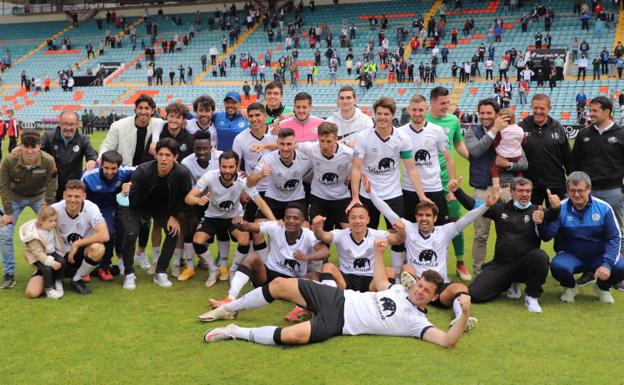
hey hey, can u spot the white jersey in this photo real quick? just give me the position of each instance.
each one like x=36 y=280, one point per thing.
x=426 y=145
x=429 y=253
x=285 y=182
x=224 y=201
x=193 y=127
x=196 y=170
x=82 y=226
x=356 y=258
x=387 y=312
x=382 y=160
x=330 y=174
x=281 y=252
x=242 y=146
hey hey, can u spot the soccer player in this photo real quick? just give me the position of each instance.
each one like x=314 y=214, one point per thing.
x=377 y=153
x=355 y=247
x=427 y=245
x=284 y=170
x=102 y=185
x=428 y=141
x=439 y=100
x=84 y=231
x=292 y=247
x=221 y=190
x=303 y=122
x=392 y=311
x=158 y=190
x=275 y=110
x=349 y=118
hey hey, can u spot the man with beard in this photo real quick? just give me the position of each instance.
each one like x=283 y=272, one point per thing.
x=231 y=122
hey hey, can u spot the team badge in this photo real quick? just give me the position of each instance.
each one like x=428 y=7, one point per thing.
x=586 y=139
x=526 y=218
x=596 y=217
x=612 y=139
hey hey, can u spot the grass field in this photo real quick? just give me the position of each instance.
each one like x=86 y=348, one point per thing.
x=151 y=336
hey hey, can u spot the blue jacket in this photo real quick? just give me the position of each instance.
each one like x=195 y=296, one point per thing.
x=227 y=128
x=103 y=192
x=589 y=234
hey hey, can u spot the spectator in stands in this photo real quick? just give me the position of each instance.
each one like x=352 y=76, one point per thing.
x=596 y=63
x=27 y=179
x=13 y=129
x=247 y=90
x=582 y=67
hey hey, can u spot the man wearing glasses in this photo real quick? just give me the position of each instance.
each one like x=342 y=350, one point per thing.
x=587 y=240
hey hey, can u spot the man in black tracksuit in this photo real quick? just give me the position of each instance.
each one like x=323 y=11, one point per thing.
x=69 y=148
x=158 y=190
x=517 y=254
x=173 y=128
x=547 y=151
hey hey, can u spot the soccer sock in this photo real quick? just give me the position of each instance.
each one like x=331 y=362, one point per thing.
x=258 y=297
x=264 y=335
x=262 y=250
x=155 y=254
x=177 y=257
x=458 y=246
x=398 y=259
x=328 y=279
x=241 y=277
x=457 y=308
x=239 y=257
x=189 y=255
x=84 y=270
x=224 y=251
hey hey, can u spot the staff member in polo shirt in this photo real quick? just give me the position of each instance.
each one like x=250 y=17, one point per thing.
x=26 y=179
x=231 y=122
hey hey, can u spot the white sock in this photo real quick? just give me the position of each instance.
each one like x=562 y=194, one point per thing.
x=457 y=308
x=84 y=270
x=251 y=300
x=398 y=259
x=177 y=257
x=262 y=335
x=329 y=282
x=224 y=251
x=238 y=259
x=207 y=259
x=155 y=254
x=238 y=281
x=264 y=253
x=189 y=255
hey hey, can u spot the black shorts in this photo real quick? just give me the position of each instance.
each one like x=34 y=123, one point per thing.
x=278 y=208
x=327 y=303
x=396 y=204
x=251 y=209
x=438 y=197
x=78 y=258
x=271 y=275
x=220 y=227
x=357 y=282
x=334 y=211
x=437 y=302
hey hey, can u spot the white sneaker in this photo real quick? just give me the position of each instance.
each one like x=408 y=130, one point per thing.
x=216 y=314
x=175 y=271
x=143 y=262
x=58 y=286
x=130 y=282
x=162 y=280
x=470 y=324
x=213 y=275
x=604 y=296
x=220 y=334
x=568 y=294
x=532 y=304
x=514 y=291
x=53 y=294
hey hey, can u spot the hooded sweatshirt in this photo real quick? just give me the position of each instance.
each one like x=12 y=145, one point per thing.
x=348 y=127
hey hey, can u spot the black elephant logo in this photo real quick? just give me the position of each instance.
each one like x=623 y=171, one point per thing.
x=73 y=237
x=386 y=164
x=422 y=156
x=226 y=205
x=427 y=256
x=361 y=263
x=388 y=307
x=291 y=184
x=329 y=178
x=292 y=264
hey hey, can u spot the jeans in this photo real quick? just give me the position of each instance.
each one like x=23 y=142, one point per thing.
x=6 y=233
x=482 y=229
x=615 y=198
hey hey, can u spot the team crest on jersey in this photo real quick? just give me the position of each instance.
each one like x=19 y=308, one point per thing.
x=291 y=265
x=612 y=139
x=555 y=135
x=386 y=307
x=241 y=124
x=183 y=147
x=290 y=185
x=526 y=218
x=76 y=148
x=596 y=217
x=361 y=264
x=504 y=216
x=226 y=206
x=422 y=158
x=586 y=139
x=329 y=178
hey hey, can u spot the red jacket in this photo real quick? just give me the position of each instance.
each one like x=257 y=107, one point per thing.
x=14 y=130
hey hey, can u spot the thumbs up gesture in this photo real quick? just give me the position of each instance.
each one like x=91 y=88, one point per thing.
x=538 y=215
x=553 y=200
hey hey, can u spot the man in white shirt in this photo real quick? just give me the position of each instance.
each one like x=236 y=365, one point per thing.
x=392 y=311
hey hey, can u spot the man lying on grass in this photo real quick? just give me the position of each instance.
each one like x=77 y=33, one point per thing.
x=393 y=310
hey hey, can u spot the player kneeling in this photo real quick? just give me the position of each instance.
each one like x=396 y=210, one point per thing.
x=392 y=311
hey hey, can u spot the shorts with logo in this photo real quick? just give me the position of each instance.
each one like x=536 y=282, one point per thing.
x=334 y=211
x=357 y=282
x=221 y=227
x=278 y=208
x=327 y=303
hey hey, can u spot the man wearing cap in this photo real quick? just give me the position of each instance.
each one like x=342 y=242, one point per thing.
x=230 y=122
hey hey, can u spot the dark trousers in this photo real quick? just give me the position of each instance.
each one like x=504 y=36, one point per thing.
x=12 y=143
x=49 y=274
x=396 y=204
x=496 y=278
x=131 y=219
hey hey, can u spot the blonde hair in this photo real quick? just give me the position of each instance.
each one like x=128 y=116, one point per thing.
x=46 y=213
x=506 y=112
